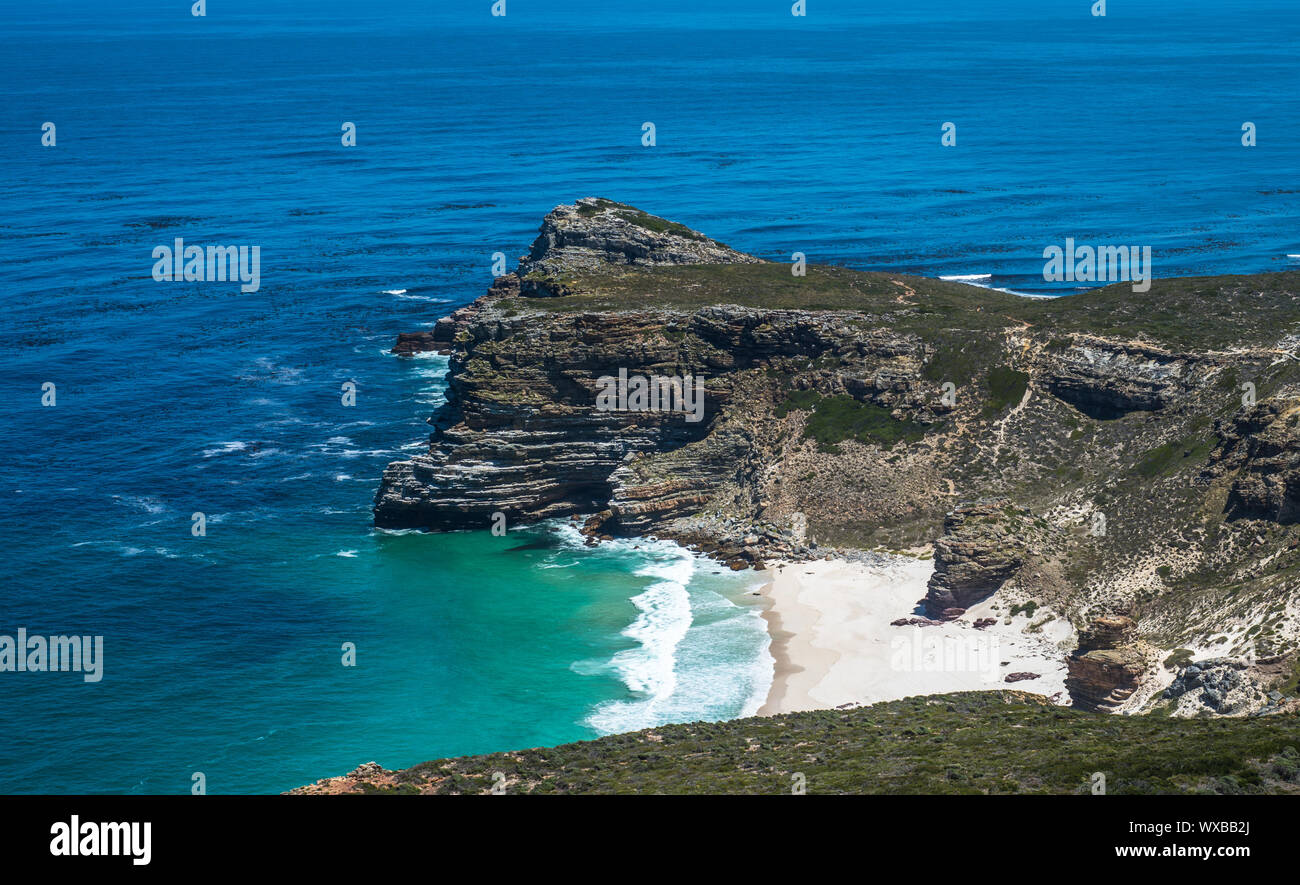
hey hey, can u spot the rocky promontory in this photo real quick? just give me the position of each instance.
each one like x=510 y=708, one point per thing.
x=1094 y=451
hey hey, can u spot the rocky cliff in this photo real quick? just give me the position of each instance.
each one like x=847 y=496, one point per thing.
x=1108 y=665
x=1109 y=452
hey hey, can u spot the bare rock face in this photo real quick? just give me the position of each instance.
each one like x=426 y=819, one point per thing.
x=367 y=777
x=1107 y=667
x=1221 y=686
x=1262 y=445
x=1104 y=379
x=594 y=232
x=982 y=547
x=520 y=433
x=445 y=334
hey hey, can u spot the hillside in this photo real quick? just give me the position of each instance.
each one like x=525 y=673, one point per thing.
x=979 y=743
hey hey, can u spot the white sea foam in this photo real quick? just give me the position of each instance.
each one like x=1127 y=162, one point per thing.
x=124 y=549
x=699 y=655
x=427 y=299
x=225 y=448
x=650 y=669
x=981 y=280
x=1013 y=291
x=393 y=292
x=147 y=504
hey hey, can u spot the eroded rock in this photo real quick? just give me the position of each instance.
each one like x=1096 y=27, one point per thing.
x=1107 y=666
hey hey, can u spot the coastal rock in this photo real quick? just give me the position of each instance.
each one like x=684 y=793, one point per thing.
x=1107 y=666
x=1220 y=686
x=915 y=622
x=982 y=547
x=594 y=232
x=368 y=777
x=1107 y=380
x=520 y=433
x=1261 y=445
x=409 y=343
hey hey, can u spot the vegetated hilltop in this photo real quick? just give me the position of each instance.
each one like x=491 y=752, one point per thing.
x=1109 y=454
x=978 y=742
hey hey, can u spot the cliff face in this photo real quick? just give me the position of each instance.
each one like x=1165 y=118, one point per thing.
x=1261 y=446
x=1108 y=427
x=1107 y=666
x=982 y=547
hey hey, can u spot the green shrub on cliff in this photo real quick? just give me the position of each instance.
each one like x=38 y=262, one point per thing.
x=834 y=419
x=1006 y=388
x=976 y=742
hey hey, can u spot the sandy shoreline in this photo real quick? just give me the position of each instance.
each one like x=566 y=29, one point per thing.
x=834 y=644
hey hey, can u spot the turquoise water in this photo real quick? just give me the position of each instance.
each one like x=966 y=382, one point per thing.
x=464 y=642
x=223 y=654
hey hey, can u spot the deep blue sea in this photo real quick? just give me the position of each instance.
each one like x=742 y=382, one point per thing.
x=775 y=134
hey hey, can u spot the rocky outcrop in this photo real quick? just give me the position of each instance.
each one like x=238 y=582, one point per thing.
x=1106 y=379
x=447 y=331
x=1222 y=686
x=369 y=777
x=594 y=232
x=1261 y=445
x=520 y=433
x=982 y=547
x=1108 y=665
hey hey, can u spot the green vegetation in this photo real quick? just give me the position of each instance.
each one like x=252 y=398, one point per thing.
x=1180 y=657
x=1192 y=312
x=587 y=210
x=1027 y=609
x=1171 y=457
x=978 y=742
x=834 y=419
x=657 y=224
x=1006 y=388
x=691 y=287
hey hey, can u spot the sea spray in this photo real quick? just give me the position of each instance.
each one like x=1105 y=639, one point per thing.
x=699 y=653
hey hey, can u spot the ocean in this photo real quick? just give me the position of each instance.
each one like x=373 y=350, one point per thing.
x=224 y=654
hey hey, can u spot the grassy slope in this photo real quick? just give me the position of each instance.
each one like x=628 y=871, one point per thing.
x=984 y=742
x=1205 y=312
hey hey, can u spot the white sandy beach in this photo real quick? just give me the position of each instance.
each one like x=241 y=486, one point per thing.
x=834 y=644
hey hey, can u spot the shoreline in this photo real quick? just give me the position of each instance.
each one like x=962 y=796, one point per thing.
x=834 y=644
